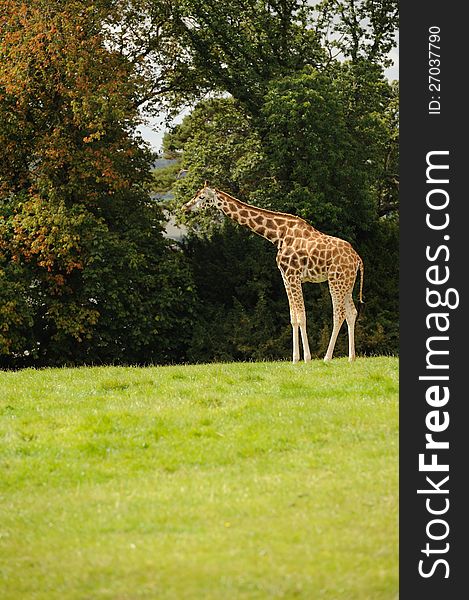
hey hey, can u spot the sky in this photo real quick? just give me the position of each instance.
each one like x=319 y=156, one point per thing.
x=153 y=132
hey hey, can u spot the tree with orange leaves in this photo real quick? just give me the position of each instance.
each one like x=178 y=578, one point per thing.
x=83 y=263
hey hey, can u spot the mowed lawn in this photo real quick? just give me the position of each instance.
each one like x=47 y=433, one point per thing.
x=223 y=481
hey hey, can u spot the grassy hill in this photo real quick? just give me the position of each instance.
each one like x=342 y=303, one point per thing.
x=224 y=481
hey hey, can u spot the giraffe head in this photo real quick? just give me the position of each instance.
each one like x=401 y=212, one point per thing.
x=204 y=198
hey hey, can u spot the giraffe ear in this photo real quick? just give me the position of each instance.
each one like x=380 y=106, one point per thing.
x=206 y=183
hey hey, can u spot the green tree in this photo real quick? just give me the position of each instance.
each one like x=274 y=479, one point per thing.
x=219 y=143
x=300 y=132
x=236 y=47
x=86 y=273
x=359 y=29
x=243 y=310
x=387 y=187
x=327 y=140
x=321 y=154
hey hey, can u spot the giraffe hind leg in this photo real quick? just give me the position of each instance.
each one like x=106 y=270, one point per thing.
x=351 y=317
x=338 y=306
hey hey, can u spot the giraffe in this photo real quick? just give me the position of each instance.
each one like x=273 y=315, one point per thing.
x=304 y=254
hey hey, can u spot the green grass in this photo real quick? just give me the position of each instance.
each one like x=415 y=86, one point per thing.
x=226 y=481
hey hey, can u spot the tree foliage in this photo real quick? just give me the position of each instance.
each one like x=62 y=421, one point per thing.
x=237 y=46
x=321 y=160
x=359 y=29
x=322 y=143
x=87 y=274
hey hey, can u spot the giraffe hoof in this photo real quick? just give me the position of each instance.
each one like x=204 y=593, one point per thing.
x=307 y=359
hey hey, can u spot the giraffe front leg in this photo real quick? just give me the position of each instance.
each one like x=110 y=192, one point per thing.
x=296 y=343
x=298 y=316
x=304 y=339
x=294 y=325
x=297 y=294
x=293 y=317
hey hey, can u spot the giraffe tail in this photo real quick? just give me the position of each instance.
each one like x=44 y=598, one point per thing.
x=361 y=303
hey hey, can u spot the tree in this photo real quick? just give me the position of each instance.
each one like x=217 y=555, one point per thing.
x=235 y=47
x=323 y=146
x=387 y=189
x=321 y=157
x=218 y=142
x=243 y=310
x=85 y=270
x=359 y=29
x=300 y=132
x=87 y=273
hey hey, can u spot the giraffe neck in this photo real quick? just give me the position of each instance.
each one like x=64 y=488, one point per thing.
x=263 y=222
